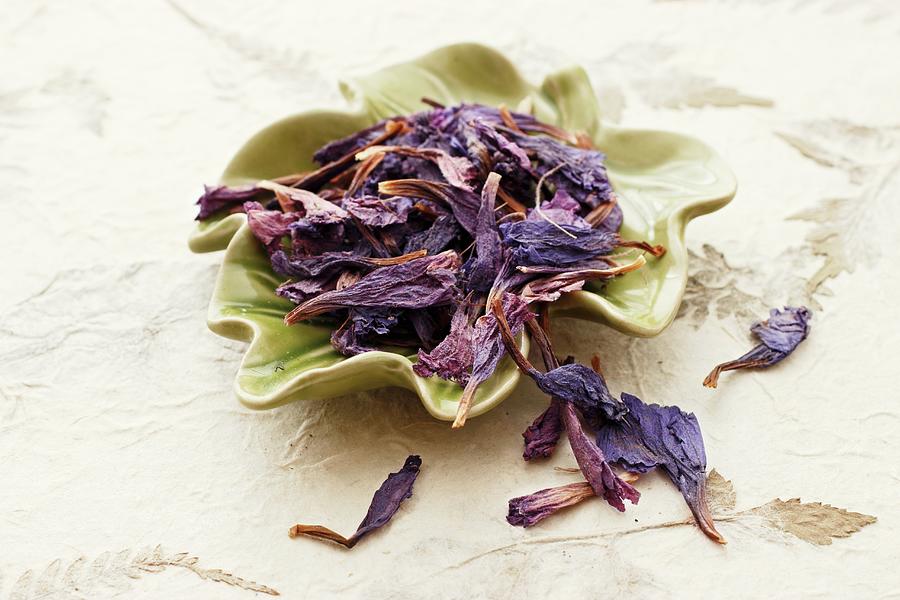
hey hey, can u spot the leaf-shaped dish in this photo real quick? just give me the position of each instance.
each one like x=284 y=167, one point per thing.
x=662 y=179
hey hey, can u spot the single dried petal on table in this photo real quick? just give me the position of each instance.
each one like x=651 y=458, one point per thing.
x=780 y=335
x=385 y=503
x=526 y=511
x=651 y=436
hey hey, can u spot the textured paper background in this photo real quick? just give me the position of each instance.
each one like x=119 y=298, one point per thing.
x=118 y=428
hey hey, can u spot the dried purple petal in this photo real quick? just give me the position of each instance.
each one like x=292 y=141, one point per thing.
x=780 y=335
x=458 y=171
x=545 y=243
x=526 y=511
x=303 y=289
x=593 y=465
x=219 y=197
x=483 y=269
x=464 y=203
x=419 y=283
x=436 y=238
x=583 y=174
x=585 y=389
x=612 y=222
x=316 y=210
x=332 y=263
x=550 y=288
x=590 y=458
x=451 y=358
x=348 y=145
x=268 y=226
x=379 y=212
x=652 y=436
x=385 y=503
x=562 y=210
x=543 y=434
x=361 y=325
x=488 y=348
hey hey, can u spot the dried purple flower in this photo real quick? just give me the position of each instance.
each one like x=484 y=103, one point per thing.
x=545 y=243
x=268 y=226
x=526 y=511
x=651 y=436
x=436 y=238
x=220 y=197
x=316 y=210
x=543 y=434
x=780 y=335
x=452 y=358
x=385 y=503
x=590 y=458
x=583 y=174
x=464 y=203
x=379 y=212
x=488 y=347
x=332 y=263
x=593 y=465
x=418 y=283
x=585 y=389
x=562 y=210
x=458 y=171
x=361 y=325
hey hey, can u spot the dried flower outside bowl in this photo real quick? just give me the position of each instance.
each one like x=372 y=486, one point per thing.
x=662 y=179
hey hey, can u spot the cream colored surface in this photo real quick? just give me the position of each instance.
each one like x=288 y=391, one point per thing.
x=118 y=428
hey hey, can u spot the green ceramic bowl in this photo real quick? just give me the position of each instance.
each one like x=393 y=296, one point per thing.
x=662 y=179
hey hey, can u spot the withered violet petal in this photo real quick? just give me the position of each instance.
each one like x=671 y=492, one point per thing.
x=544 y=243
x=529 y=510
x=585 y=389
x=385 y=503
x=780 y=335
x=543 y=434
x=452 y=357
x=652 y=436
x=483 y=269
x=219 y=197
x=418 y=283
x=593 y=465
x=268 y=226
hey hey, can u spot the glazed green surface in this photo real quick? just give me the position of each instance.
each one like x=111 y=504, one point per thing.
x=662 y=179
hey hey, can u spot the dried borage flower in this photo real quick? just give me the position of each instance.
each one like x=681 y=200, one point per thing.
x=441 y=231
x=779 y=335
